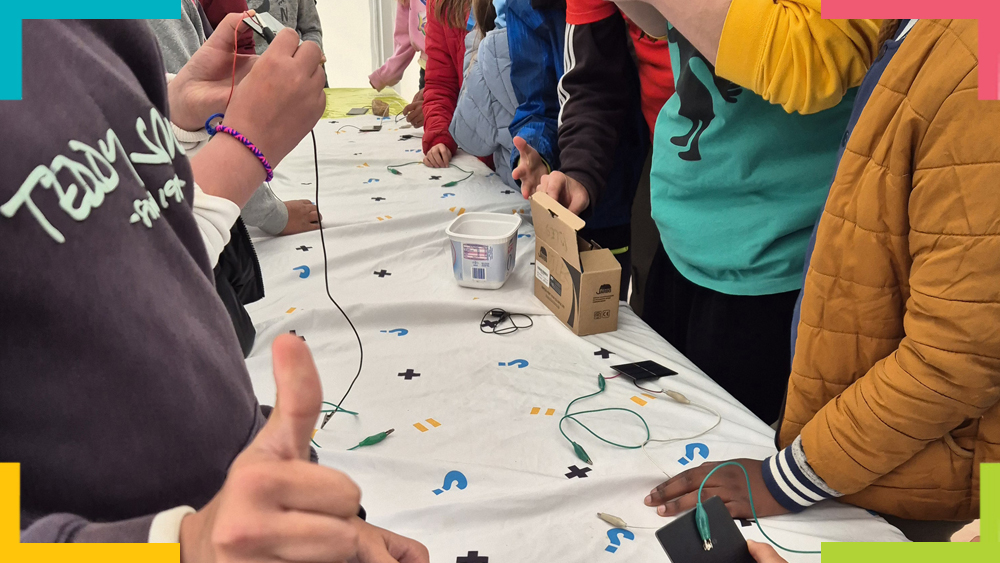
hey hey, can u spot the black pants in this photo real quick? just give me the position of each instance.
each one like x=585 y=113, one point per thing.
x=742 y=342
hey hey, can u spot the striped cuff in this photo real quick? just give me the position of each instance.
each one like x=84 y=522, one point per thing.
x=792 y=482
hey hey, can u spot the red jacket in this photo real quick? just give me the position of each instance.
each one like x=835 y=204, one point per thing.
x=217 y=10
x=443 y=79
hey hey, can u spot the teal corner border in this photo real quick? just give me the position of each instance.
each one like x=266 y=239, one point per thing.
x=11 y=31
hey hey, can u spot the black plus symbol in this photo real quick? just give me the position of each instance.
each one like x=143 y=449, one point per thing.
x=603 y=353
x=304 y=248
x=508 y=192
x=490 y=324
x=575 y=471
x=473 y=557
x=379 y=198
x=435 y=177
x=382 y=274
x=409 y=374
x=302 y=338
x=745 y=523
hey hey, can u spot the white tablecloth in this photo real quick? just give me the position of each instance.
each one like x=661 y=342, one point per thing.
x=390 y=268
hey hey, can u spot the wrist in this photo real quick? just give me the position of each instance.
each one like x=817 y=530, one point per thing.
x=226 y=168
x=182 y=113
x=189 y=538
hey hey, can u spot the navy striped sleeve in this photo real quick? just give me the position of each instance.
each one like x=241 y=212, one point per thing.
x=792 y=482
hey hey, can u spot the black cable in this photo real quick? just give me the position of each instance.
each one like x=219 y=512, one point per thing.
x=502 y=316
x=326 y=277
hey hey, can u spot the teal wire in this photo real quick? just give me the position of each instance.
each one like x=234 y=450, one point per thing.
x=752 y=509
x=598 y=436
x=572 y=416
x=335 y=407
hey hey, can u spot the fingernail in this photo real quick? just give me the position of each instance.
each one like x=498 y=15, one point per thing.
x=661 y=510
x=649 y=500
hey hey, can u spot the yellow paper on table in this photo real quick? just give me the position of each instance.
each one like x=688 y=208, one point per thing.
x=339 y=101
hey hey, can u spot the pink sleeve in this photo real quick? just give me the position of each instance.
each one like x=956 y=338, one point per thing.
x=392 y=71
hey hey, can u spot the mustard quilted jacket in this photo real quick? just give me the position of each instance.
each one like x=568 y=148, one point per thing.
x=896 y=377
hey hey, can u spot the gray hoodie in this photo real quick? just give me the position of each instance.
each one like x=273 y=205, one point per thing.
x=300 y=15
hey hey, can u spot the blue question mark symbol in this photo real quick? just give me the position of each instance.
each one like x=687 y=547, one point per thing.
x=615 y=535
x=453 y=478
x=699 y=448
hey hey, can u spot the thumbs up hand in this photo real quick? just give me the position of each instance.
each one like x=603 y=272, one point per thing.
x=275 y=505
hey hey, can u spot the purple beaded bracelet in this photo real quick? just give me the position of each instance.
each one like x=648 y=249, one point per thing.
x=212 y=130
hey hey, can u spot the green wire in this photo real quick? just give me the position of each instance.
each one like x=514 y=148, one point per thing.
x=336 y=407
x=580 y=452
x=393 y=168
x=701 y=518
x=457 y=182
x=598 y=436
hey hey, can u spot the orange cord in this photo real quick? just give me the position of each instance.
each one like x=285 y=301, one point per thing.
x=236 y=46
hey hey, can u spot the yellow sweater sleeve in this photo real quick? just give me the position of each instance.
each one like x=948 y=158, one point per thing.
x=788 y=54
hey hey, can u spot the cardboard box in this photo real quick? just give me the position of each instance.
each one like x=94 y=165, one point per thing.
x=577 y=280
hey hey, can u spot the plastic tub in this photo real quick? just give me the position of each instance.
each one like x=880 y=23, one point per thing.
x=483 y=248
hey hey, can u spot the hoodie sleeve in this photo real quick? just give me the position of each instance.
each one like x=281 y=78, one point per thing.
x=392 y=71
x=309 y=26
x=535 y=78
x=442 y=85
x=789 y=55
x=594 y=103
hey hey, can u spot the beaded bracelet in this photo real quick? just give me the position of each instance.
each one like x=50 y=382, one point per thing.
x=212 y=130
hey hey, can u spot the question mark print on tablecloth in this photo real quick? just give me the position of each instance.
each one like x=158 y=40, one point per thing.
x=453 y=478
x=615 y=535
x=691 y=450
x=303 y=271
x=397 y=331
x=521 y=364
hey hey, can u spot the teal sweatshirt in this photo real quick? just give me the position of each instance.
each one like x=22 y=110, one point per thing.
x=737 y=183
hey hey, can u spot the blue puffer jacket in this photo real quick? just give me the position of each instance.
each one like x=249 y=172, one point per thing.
x=486 y=105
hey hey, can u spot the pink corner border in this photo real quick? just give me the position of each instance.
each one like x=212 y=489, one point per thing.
x=986 y=11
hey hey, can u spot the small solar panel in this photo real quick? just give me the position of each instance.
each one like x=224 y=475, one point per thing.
x=640 y=371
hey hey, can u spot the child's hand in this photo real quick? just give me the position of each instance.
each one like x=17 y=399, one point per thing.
x=567 y=191
x=763 y=553
x=302 y=217
x=414 y=112
x=438 y=157
x=282 y=97
x=202 y=86
x=275 y=505
x=680 y=493
x=530 y=167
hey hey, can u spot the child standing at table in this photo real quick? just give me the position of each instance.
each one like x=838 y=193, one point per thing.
x=448 y=22
x=486 y=104
x=411 y=29
x=536 y=34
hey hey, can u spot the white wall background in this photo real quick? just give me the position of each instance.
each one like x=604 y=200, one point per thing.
x=357 y=38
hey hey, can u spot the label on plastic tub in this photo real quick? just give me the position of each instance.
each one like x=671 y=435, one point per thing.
x=483 y=263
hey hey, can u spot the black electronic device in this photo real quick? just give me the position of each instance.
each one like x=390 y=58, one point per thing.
x=641 y=371
x=683 y=544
